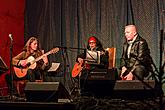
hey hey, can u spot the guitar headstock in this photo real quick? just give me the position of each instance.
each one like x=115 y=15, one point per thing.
x=54 y=50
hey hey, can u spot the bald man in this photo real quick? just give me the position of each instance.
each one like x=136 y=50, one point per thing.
x=136 y=61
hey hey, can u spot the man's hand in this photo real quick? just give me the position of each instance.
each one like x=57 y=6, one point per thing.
x=122 y=71
x=129 y=76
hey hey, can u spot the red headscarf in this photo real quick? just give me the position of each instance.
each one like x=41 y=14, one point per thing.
x=92 y=39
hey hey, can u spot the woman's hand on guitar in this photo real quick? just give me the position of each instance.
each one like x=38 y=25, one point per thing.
x=23 y=63
x=45 y=58
x=80 y=60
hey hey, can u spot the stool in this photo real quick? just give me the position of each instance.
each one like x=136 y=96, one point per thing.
x=3 y=90
x=20 y=86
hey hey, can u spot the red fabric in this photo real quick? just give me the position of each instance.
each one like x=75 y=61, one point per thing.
x=11 y=22
x=92 y=39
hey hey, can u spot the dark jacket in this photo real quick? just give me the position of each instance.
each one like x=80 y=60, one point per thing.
x=139 y=55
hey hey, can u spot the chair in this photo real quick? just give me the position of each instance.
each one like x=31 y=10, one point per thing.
x=112 y=57
x=112 y=62
x=20 y=84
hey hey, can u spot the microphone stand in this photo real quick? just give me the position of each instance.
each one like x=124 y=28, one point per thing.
x=70 y=48
x=65 y=57
x=64 y=63
x=67 y=67
x=11 y=74
x=161 y=71
x=65 y=60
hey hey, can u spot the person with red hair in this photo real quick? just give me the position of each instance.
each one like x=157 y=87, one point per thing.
x=83 y=69
x=94 y=45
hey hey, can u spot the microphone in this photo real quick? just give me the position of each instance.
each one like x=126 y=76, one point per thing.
x=61 y=47
x=11 y=38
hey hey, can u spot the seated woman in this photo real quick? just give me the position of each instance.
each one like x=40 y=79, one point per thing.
x=93 y=45
x=31 y=51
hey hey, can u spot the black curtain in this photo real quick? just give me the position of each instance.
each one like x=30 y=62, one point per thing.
x=68 y=23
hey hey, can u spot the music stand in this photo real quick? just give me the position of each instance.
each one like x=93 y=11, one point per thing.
x=92 y=57
x=3 y=66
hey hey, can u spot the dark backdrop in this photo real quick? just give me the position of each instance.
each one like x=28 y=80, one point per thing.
x=68 y=23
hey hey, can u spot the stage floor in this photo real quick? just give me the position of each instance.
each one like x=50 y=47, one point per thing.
x=116 y=95
x=83 y=103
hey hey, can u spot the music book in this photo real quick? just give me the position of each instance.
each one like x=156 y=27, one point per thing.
x=92 y=57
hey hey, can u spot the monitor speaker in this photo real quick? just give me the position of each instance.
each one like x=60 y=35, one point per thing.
x=45 y=91
x=133 y=89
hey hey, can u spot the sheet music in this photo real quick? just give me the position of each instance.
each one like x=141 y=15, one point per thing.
x=54 y=67
x=93 y=57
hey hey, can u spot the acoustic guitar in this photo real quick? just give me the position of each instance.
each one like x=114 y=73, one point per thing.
x=31 y=63
x=77 y=69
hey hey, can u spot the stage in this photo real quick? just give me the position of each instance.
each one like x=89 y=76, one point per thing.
x=84 y=103
x=117 y=95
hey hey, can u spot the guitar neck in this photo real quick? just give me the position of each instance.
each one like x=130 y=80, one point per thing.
x=40 y=57
x=46 y=54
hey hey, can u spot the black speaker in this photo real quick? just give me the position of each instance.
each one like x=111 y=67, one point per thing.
x=133 y=89
x=45 y=91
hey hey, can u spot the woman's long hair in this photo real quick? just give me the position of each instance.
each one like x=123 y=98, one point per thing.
x=27 y=47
